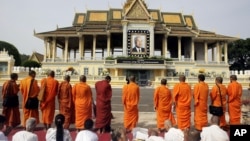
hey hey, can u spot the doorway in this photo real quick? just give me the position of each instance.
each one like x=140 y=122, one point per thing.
x=142 y=76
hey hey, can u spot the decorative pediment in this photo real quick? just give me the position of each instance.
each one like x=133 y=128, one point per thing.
x=136 y=10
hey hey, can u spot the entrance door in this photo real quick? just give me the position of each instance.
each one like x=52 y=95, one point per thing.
x=142 y=76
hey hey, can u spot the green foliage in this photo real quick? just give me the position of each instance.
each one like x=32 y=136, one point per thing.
x=12 y=50
x=239 y=54
x=24 y=58
x=31 y=63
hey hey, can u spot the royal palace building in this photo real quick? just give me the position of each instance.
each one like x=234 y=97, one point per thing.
x=105 y=42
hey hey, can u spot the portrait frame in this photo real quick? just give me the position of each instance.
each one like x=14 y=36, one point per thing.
x=145 y=39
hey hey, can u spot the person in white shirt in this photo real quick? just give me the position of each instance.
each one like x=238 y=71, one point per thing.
x=87 y=133
x=58 y=133
x=214 y=132
x=173 y=134
x=2 y=134
x=27 y=135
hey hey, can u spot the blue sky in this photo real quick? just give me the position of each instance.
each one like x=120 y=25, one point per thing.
x=19 y=18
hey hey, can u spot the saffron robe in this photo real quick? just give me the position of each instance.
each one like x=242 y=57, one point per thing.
x=66 y=105
x=182 y=98
x=163 y=105
x=82 y=97
x=234 y=102
x=201 y=92
x=12 y=114
x=103 y=104
x=48 y=104
x=215 y=97
x=130 y=100
x=25 y=88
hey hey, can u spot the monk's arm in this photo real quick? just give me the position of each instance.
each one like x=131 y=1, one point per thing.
x=156 y=98
x=196 y=95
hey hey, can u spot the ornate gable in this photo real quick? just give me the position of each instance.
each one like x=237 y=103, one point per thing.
x=136 y=10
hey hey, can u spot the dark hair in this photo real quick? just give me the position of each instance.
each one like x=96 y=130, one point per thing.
x=83 y=78
x=164 y=81
x=201 y=77
x=88 y=124
x=127 y=79
x=108 y=77
x=13 y=76
x=59 y=121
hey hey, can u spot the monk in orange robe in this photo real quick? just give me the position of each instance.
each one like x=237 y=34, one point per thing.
x=47 y=106
x=163 y=105
x=82 y=97
x=130 y=101
x=234 y=100
x=10 y=89
x=66 y=105
x=103 y=105
x=201 y=92
x=25 y=86
x=216 y=98
x=182 y=101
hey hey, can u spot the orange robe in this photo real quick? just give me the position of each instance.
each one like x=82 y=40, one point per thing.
x=182 y=98
x=48 y=104
x=130 y=100
x=66 y=105
x=24 y=88
x=215 y=97
x=201 y=91
x=103 y=104
x=234 y=102
x=82 y=97
x=163 y=105
x=12 y=114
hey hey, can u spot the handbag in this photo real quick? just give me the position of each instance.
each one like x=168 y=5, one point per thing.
x=216 y=110
x=41 y=93
x=32 y=102
x=10 y=100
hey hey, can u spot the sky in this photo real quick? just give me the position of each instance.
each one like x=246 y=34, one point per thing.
x=19 y=19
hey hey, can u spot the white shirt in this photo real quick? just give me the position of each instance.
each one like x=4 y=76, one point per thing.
x=174 y=134
x=86 y=135
x=3 y=137
x=51 y=135
x=214 y=133
x=24 y=136
x=155 y=138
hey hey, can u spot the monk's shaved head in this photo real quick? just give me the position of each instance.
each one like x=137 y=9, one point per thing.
x=132 y=78
x=201 y=77
x=182 y=78
x=219 y=80
x=233 y=77
x=51 y=73
x=66 y=78
x=83 y=78
x=164 y=81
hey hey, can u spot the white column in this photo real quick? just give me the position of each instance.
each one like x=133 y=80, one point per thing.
x=218 y=52
x=151 y=36
x=54 y=49
x=205 y=52
x=45 y=51
x=125 y=35
x=165 y=46
x=179 y=48
x=226 y=52
x=192 y=50
x=80 y=47
x=94 y=47
x=108 y=45
x=66 y=49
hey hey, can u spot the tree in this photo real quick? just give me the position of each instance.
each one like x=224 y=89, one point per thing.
x=24 y=58
x=12 y=50
x=239 y=54
x=31 y=64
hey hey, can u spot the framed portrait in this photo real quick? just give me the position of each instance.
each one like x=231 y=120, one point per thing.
x=138 y=43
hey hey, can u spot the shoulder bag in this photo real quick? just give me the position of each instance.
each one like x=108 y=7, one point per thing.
x=32 y=102
x=216 y=110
